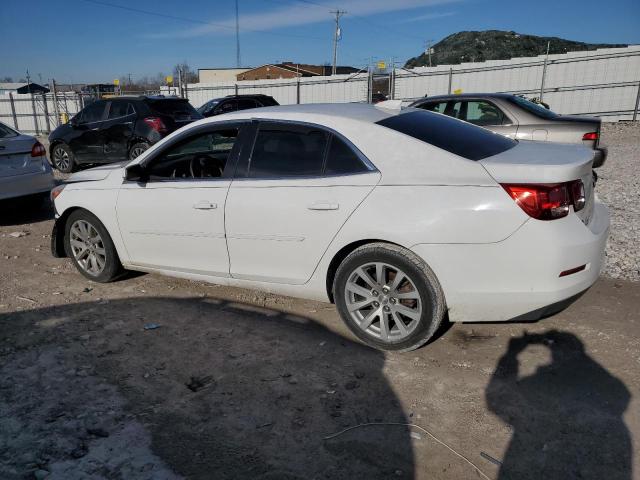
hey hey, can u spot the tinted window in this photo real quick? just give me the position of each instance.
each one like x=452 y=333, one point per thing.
x=174 y=107
x=342 y=159
x=434 y=107
x=93 y=113
x=531 y=107
x=228 y=106
x=202 y=156
x=280 y=153
x=460 y=138
x=480 y=112
x=120 y=109
x=6 y=132
x=245 y=103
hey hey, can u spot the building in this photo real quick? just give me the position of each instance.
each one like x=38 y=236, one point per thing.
x=210 y=75
x=22 y=87
x=291 y=70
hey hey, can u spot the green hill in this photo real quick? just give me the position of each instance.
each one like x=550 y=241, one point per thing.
x=496 y=45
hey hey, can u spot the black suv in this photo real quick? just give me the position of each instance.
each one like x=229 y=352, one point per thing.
x=233 y=103
x=117 y=129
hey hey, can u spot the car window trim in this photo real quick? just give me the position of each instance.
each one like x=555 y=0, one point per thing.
x=129 y=105
x=286 y=125
x=235 y=153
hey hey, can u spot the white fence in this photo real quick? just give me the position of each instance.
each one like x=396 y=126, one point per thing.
x=603 y=83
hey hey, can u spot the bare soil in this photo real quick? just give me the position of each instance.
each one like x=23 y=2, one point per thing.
x=240 y=384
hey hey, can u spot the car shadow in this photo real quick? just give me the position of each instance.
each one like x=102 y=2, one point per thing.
x=20 y=211
x=226 y=390
x=566 y=417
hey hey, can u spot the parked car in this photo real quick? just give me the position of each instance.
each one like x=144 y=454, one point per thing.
x=397 y=216
x=233 y=103
x=117 y=129
x=517 y=117
x=24 y=169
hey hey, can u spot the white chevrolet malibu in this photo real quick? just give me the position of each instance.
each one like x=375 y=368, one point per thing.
x=400 y=218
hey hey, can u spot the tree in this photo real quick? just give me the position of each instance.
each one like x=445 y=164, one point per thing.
x=188 y=75
x=6 y=80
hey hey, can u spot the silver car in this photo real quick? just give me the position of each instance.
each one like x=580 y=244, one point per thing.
x=24 y=169
x=518 y=118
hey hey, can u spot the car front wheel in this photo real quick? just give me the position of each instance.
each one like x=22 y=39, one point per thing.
x=90 y=247
x=389 y=297
x=63 y=158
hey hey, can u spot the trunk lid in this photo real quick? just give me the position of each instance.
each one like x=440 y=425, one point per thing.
x=15 y=156
x=586 y=125
x=545 y=163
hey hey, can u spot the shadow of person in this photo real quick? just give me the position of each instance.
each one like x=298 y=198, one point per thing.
x=566 y=417
x=225 y=390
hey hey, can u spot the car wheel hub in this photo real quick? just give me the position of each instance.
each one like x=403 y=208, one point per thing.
x=87 y=247
x=390 y=316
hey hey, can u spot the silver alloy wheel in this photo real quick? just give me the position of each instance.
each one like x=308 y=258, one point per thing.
x=61 y=158
x=87 y=247
x=383 y=301
x=137 y=151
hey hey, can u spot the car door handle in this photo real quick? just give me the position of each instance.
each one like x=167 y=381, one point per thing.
x=204 y=205
x=323 y=206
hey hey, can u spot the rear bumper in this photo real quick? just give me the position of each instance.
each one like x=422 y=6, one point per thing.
x=599 y=156
x=28 y=184
x=519 y=278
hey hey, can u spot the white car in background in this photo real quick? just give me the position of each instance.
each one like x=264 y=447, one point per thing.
x=399 y=217
x=24 y=169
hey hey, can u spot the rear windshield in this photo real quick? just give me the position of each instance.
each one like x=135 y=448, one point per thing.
x=531 y=107
x=174 y=107
x=461 y=138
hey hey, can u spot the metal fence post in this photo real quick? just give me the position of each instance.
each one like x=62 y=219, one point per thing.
x=544 y=72
x=450 y=79
x=46 y=112
x=235 y=89
x=298 y=91
x=55 y=102
x=13 y=111
x=635 y=110
x=35 y=114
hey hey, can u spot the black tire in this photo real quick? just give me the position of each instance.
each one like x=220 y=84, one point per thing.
x=63 y=158
x=431 y=296
x=137 y=148
x=112 y=266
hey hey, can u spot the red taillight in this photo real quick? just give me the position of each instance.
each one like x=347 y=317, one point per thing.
x=590 y=136
x=156 y=123
x=545 y=201
x=38 y=150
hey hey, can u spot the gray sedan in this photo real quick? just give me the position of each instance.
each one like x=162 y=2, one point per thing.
x=24 y=169
x=518 y=118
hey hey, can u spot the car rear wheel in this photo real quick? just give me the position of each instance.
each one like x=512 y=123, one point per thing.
x=389 y=297
x=63 y=158
x=138 y=149
x=90 y=247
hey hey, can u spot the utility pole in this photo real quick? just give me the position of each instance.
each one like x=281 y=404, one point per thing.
x=544 y=72
x=427 y=46
x=129 y=79
x=237 y=36
x=338 y=13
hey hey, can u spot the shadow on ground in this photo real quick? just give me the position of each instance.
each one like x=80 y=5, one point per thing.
x=566 y=416
x=223 y=390
x=18 y=211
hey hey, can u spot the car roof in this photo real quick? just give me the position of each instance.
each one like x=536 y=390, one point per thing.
x=362 y=112
x=466 y=95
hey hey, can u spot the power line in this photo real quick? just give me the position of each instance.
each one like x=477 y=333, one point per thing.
x=191 y=20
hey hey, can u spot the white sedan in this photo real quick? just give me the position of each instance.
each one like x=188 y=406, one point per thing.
x=399 y=217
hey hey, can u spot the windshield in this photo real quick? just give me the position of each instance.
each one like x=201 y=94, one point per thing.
x=531 y=107
x=455 y=136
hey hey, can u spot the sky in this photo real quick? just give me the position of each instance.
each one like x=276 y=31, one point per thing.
x=99 y=40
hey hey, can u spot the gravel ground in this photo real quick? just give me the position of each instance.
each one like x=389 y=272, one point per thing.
x=619 y=187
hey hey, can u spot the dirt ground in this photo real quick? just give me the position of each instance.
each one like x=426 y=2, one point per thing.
x=238 y=384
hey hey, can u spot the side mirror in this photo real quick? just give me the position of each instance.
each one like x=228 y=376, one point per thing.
x=136 y=173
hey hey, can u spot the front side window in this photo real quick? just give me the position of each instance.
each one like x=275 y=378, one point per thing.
x=480 y=112
x=435 y=107
x=229 y=106
x=93 y=113
x=285 y=153
x=202 y=156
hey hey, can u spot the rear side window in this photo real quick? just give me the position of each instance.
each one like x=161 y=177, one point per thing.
x=120 y=109
x=480 y=112
x=280 y=153
x=246 y=103
x=459 y=138
x=174 y=107
x=342 y=159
